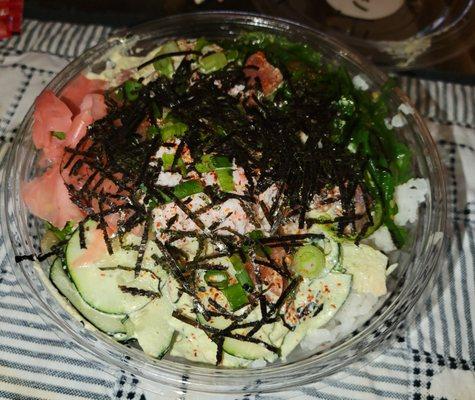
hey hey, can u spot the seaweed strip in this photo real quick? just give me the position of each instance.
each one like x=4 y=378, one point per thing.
x=139 y=292
x=142 y=247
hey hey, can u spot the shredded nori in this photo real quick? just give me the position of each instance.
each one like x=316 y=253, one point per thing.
x=139 y=292
x=110 y=173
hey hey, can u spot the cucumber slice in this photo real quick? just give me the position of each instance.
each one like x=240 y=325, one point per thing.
x=217 y=322
x=109 y=323
x=97 y=275
x=193 y=344
x=333 y=255
x=247 y=350
x=273 y=333
x=150 y=327
x=332 y=292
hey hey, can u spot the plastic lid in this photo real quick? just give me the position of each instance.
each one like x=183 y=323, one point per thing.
x=397 y=34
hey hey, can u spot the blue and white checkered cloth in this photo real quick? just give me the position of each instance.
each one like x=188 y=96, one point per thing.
x=434 y=359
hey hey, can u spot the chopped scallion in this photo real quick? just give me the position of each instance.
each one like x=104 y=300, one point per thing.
x=58 y=135
x=213 y=62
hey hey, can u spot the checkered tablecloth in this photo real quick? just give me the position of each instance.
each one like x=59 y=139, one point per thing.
x=434 y=359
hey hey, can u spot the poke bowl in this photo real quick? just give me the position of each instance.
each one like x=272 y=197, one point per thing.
x=106 y=269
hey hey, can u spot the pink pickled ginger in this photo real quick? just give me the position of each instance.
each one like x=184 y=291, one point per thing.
x=74 y=93
x=59 y=123
x=47 y=197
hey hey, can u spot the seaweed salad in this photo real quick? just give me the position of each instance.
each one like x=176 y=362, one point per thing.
x=220 y=201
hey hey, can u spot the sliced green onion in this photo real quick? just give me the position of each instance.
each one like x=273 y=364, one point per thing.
x=58 y=135
x=172 y=130
x=165 y=65
x=309 y=261
x=200 y=43
x=206 y=164
x=221 y=162
x=213 y=62
x=188 y=188
x=225 y=179
x=219 y=130
x=119 y=93
x=61 y=234
x=152 y=131
x=223 y=168
x=241 y=273
x=260 y=250
x=235 y=295
x=256 y=234
x=216 y=278
x=167 y=160
x=232 y=55
x=131 y=89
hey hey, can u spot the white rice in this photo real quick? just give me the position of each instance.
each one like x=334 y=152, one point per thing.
x=169 y=179
x=381 y=240
x=406 y=109
x=408 y=196
x=258 y=364
x=360 y=83
x=398 y=121
x=356 y=310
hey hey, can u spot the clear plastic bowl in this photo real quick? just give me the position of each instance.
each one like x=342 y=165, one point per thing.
x=408 y=285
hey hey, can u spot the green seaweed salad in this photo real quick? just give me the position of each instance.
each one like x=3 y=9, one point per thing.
x=227 y=195
x=356 y=123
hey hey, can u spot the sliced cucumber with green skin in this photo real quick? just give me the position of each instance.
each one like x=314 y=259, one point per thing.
x=194 y=344
x=235 y=347
x=150 y=326
x=333 y=255
x=273 y=333
x=98 y=275
x=247 y=350
x=109 y=323
x=217 y=322
x=332 y=290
